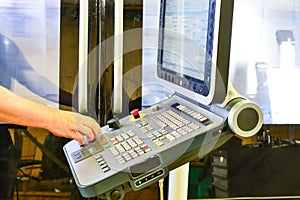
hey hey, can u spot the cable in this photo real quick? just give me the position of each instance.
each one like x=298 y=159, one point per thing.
x=161 y=188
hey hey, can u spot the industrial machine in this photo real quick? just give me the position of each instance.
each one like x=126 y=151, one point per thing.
x=202 y=113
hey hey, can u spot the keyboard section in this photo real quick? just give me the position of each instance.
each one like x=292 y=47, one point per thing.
x=173 y=126
x=128 y=146
x=140 y=151
x=195 y=115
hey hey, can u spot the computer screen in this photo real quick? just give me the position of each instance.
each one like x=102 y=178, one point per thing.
x=194 y=46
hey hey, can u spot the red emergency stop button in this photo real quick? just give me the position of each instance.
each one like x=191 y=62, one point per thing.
x=135 y=113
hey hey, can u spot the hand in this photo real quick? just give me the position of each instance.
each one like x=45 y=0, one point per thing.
x=74 y=125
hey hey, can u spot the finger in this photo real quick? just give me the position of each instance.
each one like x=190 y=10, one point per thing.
x=92 y=124
x=96 y=130
x=79 y=138
x=92 y=130
x=86 y=131
x=87 y=126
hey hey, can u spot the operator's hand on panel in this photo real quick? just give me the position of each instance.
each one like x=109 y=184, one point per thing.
x=74 y=125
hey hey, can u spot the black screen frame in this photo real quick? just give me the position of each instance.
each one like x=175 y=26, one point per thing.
x=221 y=49
x=196 y=85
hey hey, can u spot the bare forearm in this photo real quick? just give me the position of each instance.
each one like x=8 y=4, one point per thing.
x=18 y=110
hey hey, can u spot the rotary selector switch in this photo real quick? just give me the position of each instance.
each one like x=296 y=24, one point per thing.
x=113 y=124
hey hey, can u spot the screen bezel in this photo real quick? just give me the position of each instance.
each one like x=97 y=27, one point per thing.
x=197 y=85
x=213 y=88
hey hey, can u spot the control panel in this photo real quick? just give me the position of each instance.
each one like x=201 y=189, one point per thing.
x=137 y=150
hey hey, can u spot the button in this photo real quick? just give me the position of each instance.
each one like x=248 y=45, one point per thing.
x=134 y=155
x=170 y=137
x=114 y=140
x=144 y=123
x=119 y=138
x=125 y=136
x=120 y=148
x=126 y=146
x=130 y=133
x=122 y=161
x=114 y=151
x=135 y=113
x=132 y=143
x=144 y=130
x=155 y=108
x=140 y=152
x=127 y=158
x=159 y=143
x=151 y=136
x=102 y=163
x=106 y=169
x=146 y=148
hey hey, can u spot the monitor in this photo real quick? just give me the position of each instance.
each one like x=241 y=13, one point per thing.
x=194 y=47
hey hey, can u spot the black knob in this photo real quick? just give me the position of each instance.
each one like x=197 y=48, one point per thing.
x=113 y=124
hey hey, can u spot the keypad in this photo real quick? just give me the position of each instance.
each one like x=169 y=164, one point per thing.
x=144 y=127
x=128 y=146
x=177 y=126
x=190 y=112
x=173 y=125
x=101 y=162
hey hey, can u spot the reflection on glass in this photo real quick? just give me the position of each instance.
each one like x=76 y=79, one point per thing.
x=265 y=62
x=29 y=36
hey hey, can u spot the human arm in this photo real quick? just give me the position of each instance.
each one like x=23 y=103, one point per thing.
x=18 y=110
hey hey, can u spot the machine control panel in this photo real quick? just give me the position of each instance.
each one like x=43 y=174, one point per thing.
x=139 y=152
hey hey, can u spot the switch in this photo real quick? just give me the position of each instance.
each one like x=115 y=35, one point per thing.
x=135 y=113
x=113 y=124
x=155 y=108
